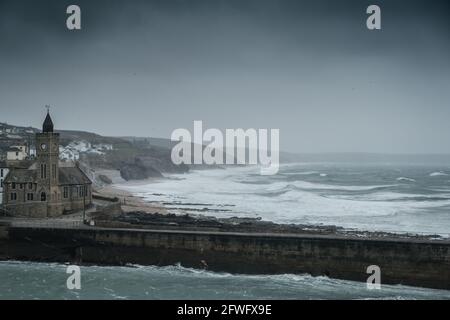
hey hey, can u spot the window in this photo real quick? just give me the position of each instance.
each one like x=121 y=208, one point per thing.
x=43 y=196
x=1 y=173
x=30 y=185
x=54 y=171
x=13 y=196
x=17 y=154
x=1 y=183
x=82 y=191
x=29 y=196
x=66 y=192
x=21 y=186
x=13 y=185
x=43 y=171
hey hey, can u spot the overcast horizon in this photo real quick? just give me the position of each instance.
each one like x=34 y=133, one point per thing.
x=309 y=68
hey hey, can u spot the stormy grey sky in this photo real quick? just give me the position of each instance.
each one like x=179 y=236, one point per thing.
x=310 y=68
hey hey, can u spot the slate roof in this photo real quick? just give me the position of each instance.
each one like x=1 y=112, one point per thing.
x=72 y=175
x=67 y=176
x=21 y=175
x=11 y=164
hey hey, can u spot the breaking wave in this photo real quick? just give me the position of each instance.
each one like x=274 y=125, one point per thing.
x=437 y=174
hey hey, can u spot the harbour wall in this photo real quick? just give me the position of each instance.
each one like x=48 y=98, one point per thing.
x=424 y=263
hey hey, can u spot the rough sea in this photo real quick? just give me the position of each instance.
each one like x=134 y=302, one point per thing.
x=31 y=280
x=389 y=197
x=384 y=197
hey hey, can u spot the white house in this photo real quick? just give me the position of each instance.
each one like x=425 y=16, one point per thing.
x=17 y=153
x=3 y=172
x=32 y=151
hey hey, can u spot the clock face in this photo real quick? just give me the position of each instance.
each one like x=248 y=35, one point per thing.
x=43 y=146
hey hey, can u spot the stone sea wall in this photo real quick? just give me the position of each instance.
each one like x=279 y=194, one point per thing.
x=409 y=262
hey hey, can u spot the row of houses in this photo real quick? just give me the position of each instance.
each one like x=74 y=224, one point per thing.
x=11 y=129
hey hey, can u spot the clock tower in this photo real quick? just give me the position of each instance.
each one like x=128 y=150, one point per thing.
x=47 y=156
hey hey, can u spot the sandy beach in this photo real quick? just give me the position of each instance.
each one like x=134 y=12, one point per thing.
x=129 y=202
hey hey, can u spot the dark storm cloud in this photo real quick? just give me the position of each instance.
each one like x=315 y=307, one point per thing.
x=310 y=68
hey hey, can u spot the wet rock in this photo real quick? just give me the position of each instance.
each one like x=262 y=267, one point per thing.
x=104 y=179
x=138 y=171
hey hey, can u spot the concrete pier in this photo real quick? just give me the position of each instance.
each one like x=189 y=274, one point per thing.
x=424 y=263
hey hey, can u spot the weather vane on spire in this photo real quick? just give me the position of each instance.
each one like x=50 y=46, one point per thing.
x=48 y=108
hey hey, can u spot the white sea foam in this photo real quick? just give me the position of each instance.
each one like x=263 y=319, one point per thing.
x=305 y=173
x=405 y=179
x=247 y=194
x=318 y=186
x=437 y=174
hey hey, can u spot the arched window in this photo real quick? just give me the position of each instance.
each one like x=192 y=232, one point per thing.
x=43 y=196
x=43 y=171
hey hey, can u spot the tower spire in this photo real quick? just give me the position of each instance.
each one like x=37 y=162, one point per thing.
x=47 y=126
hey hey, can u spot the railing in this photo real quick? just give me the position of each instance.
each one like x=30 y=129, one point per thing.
x=44 y=223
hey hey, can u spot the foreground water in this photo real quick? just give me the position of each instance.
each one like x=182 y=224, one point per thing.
x=381 y=197
x=27 y=280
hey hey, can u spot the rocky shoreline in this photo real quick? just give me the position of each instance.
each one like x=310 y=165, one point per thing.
x=170 y=221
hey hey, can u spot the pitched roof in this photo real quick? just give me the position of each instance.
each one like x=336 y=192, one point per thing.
x=22 y=164
x=21 y=175
x=67 y=176
x=72 y=175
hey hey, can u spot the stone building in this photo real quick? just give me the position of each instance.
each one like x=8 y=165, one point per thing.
x=5 y=166
x=48 y=187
